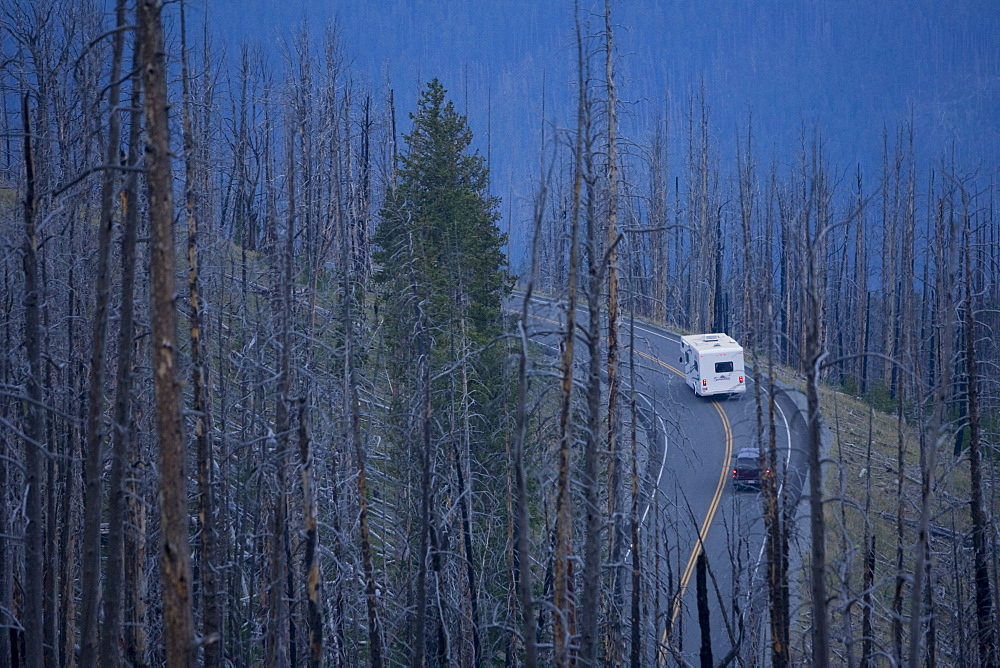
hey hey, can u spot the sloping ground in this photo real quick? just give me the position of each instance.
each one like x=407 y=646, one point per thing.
x=869 y=500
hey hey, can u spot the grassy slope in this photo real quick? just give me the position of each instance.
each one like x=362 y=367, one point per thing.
x=853 y=482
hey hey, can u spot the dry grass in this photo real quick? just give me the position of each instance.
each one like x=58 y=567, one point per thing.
x=862 y=484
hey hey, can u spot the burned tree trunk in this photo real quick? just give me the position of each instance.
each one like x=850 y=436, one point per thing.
x=984 y=597
x=34 y=550
x=91 y=576
x=175 y=564
x=613 y=637
x=120 y=427
x=564 y=613
x=704 y=621
x=314 y=604
x=201 y=404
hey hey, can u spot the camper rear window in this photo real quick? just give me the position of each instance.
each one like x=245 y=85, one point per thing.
x=723 y=367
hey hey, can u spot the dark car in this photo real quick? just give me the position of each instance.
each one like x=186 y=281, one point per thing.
x=747 y=471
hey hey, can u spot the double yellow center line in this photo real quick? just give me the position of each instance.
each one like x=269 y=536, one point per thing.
x=676 y=602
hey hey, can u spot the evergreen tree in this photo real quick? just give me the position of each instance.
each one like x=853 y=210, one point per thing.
x=438 y=225
x=443 y=277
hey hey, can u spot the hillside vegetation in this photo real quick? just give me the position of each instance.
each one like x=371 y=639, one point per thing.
x=260 y=403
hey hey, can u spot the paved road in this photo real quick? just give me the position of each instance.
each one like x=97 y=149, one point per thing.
x=689 y=441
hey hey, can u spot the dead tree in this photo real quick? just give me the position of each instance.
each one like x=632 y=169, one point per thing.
x=985 y=638
x=34 y=446
x=93 y=502
x=634 y=521
x=201 y=403
x=564 y=614
x=175 y=564
x=280 y=646
x=704 y=621
x=135 y=513
x=867 y=609
x=613 y=639
x=813 y=357
x=522 y=551
x=357 y=442
x=120 y=427
x=314 y=605
x=592 y=583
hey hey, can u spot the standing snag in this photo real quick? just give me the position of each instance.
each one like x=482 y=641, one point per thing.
x=175 y=551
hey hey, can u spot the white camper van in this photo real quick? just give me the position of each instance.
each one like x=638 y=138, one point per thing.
x=713 y=364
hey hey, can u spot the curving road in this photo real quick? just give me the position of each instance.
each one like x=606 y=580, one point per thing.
x=689 y=441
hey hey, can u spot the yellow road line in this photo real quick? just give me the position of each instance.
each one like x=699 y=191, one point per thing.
x=675 y=605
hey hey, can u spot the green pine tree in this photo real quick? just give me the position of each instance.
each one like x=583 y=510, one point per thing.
x=438 y=231
x=443 y=277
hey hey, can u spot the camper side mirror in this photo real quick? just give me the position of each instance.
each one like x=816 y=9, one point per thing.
x=681 y=359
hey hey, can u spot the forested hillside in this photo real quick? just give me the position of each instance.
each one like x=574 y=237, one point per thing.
x=268 y=394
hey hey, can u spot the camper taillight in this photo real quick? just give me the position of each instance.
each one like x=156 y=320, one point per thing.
x=704 y=383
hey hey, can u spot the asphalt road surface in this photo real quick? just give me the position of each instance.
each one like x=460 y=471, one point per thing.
x=691 y=505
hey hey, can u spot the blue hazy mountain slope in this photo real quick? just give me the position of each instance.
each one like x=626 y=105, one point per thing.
x=851 y=69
